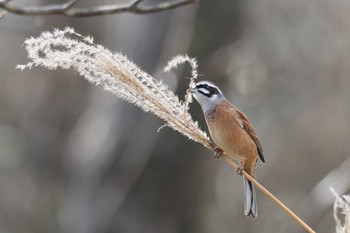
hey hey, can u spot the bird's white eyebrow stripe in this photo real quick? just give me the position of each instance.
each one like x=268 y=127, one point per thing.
x=205 y=91
x=207 y=83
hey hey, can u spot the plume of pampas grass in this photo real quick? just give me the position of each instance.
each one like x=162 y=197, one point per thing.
x=343 y=204
x=67 y=49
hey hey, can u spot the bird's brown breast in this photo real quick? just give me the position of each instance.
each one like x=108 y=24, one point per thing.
x=227 y=132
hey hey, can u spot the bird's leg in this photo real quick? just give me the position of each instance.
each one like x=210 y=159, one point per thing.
x=239 y=170
x=218 y=152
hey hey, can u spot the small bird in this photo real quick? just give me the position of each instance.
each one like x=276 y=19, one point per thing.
x=232 y=133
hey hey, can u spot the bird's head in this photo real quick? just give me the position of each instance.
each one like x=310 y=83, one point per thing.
x=207 y=94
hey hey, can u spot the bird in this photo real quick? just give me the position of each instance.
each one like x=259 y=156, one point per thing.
x=232 y=133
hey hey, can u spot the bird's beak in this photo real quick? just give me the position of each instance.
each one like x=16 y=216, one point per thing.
x=193 y=90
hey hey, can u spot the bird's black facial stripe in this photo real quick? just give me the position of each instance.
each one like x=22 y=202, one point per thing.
x=207 y=90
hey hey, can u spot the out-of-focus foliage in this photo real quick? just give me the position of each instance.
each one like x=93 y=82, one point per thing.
x=74 y=158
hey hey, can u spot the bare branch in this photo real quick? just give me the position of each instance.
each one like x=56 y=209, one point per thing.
x=67 y=9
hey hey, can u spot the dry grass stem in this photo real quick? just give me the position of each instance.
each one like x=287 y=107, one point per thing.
x=67 y=49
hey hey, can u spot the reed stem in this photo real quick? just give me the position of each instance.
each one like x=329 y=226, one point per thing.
x=270 y=195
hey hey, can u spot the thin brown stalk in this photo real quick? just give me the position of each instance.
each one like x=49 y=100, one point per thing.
x=270 y=195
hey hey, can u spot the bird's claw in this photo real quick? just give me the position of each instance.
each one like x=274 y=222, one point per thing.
x=218 y=152
x=239 y=170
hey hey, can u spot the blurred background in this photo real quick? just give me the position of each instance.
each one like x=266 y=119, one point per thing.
x=76 y=159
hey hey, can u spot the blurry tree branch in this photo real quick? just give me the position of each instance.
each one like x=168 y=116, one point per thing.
x=68 y=9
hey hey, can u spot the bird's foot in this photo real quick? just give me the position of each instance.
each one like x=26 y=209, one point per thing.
x=218 y=152
x=239 y=170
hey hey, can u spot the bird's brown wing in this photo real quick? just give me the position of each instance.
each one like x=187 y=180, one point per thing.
x=247 y=126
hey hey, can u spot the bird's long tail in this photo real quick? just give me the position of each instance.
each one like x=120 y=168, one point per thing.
x=249 y=199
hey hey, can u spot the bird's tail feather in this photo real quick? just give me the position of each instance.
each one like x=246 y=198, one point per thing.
x=249 y=199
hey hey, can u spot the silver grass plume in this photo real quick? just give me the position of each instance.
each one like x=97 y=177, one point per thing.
x=67 y=49
x=342 y=203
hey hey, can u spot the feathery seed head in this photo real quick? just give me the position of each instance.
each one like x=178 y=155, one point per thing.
x=342 y=203
x=67 y=49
